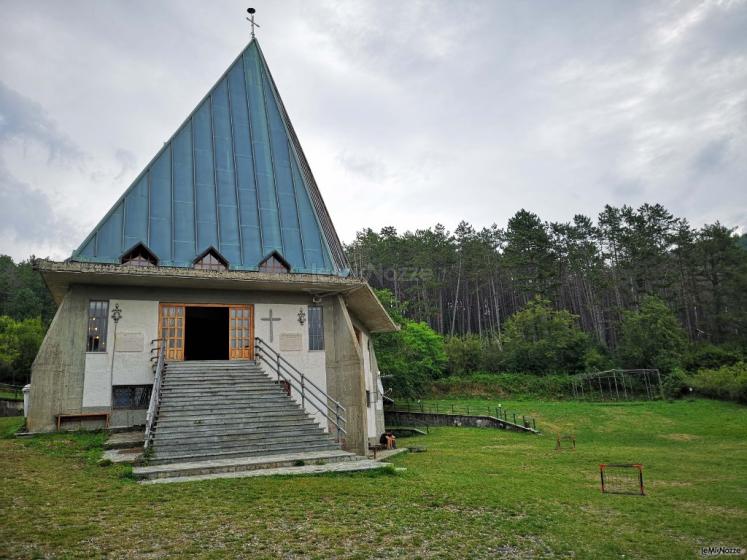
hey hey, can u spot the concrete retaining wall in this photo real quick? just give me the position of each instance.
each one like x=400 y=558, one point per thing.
x=10 y=407
x=403 y=418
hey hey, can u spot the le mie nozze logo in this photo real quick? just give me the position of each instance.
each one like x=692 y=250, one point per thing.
x=712 y=551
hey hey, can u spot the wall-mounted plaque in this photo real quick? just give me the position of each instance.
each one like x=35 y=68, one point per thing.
x=290 y=342
x=130 y=342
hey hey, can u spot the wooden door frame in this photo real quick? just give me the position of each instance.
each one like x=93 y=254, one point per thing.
x=184 y=306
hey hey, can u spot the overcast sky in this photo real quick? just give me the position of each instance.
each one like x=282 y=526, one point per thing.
x=410 y=113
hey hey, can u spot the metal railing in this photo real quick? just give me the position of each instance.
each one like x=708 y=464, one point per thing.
x=155 y=394
x=298 y=381
x=495 y=411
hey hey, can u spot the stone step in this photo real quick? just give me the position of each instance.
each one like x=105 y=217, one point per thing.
x=344 y=466
x=246 y=464
x=181 y=401
x=233 y=423
x=218 y=381
x=257 y=411
x=187 y=369
x=125 y=440
x=243 y=392
x=239 y=395
x=198 y=438
x=251 y=451
x=213 y=378
x=256 y=406
x=229 y=432
x=229 y=442
x=200 y=426
x=223 y=400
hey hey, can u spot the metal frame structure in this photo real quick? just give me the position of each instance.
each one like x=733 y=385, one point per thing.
x=618 y=385
x=632 y=466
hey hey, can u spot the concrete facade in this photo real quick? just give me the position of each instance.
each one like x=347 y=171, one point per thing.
x=67 y=379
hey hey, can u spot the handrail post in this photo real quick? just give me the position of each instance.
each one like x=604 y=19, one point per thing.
x=277 y=365
x=303 y=390
x=337 y=421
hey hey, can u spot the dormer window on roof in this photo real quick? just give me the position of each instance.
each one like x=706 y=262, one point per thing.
x=139 y=255
x=211 y=260
x=275 y=264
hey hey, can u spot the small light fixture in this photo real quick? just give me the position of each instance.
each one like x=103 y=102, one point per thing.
x=301 y=316
x=117 y=313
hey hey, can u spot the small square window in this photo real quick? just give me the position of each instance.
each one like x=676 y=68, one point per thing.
x=131 y=397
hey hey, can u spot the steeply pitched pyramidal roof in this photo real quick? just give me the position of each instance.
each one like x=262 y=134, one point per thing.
x=233 y=177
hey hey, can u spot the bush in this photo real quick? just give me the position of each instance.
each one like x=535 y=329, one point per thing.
x=413 y=357
x=19 y=343
x=676 y=384
x=709 y=356
x=464 y=354
x=726 y=382
x=514 y=385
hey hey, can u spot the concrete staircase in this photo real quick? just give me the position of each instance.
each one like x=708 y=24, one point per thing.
x=228 y=419
x=212 y=410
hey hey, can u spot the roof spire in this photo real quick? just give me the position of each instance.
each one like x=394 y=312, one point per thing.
x=250 y=19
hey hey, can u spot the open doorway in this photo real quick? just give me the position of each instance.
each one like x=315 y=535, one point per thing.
x=206 y=333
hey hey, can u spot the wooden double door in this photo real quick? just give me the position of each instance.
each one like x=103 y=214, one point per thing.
x=239 y=328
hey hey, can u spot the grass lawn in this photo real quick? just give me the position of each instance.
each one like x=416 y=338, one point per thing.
x=475 y=493
x=10 y=395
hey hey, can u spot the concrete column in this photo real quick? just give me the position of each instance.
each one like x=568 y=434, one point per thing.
x=345 y=381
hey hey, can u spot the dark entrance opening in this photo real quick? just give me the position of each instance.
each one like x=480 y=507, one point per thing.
x=206 y=333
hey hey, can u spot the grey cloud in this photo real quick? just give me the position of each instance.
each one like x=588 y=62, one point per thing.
x=28 y=218
x=358 y=164
x=24 y=120
x=127 y=160
x=712 y=155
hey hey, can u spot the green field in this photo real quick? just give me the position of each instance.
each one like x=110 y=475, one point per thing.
x=475 y=493
x=10 y=395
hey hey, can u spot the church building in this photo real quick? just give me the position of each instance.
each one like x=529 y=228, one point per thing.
x=213 y=304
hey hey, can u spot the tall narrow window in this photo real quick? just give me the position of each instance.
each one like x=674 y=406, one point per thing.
x=98 y=312
x=316 y=328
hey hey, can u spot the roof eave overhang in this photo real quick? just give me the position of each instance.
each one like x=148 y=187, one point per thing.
x=359 y=297
x=59 y=276
x=367 y=308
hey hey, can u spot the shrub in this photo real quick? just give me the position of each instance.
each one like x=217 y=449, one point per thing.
x=709 y=356
x=676 y=384
x=413 y=357
x=726 y=382
x=514 y=385
x=464 y=354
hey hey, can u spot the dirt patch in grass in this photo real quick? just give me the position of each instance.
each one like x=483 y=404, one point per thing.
x=680 y=437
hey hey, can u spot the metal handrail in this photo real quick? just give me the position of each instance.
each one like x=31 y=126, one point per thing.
x=155 y=395
x=300 y=382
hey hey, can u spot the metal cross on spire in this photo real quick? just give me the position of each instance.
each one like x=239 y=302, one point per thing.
x=250 y=19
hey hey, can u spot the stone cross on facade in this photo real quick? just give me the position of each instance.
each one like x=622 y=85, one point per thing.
x=271 y=320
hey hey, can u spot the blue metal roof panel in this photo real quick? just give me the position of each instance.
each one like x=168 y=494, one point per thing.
x=233 y=177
